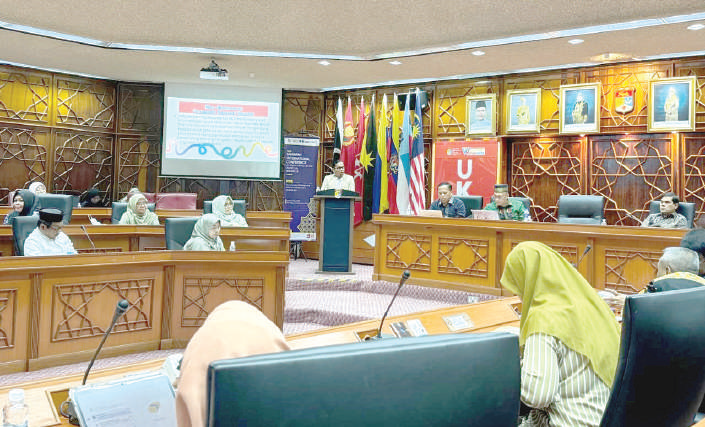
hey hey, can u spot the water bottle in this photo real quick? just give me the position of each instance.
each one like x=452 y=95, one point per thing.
x=527 y=216
x=15 y=412
x=604 y=222
x=232 y=246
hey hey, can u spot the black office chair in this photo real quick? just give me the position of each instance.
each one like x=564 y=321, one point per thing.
x=239 y=207
x=22 y=226
x=119 y=208
x=56 y=201
x=686 y=209
x=473 y=379
x=471 y=202
x=660 y=379
x=581 y=209
x=177 y=231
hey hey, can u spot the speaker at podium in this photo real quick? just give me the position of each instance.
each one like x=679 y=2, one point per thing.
x=335 y=244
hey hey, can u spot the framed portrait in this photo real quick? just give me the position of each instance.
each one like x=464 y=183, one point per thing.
x=523 y=112
x=580 y=109
x=672 y=104
x=481 y=117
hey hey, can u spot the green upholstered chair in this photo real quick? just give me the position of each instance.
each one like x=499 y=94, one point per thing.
x=471 y=202
x=22 y=226
x=177 y=231
x=64 y=202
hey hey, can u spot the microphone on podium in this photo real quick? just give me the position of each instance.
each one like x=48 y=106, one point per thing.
x=120 y=309
x=587 y=249
x=83 y=227
x=404 y=276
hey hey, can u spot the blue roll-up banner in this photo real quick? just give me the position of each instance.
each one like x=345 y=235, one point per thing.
x=300 y=186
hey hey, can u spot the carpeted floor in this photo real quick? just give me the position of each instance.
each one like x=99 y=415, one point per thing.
x=312 y=301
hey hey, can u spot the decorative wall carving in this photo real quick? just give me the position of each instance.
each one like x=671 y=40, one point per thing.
x=8 y=307
x=419 y=249
x=694 y=174
x=79 y=308
x=196 y=305
x=83 y=161
x=84 y=102
x=616 y=262
x=23 y=158
x=473 y=252
x=140 y=108
x=24 y=95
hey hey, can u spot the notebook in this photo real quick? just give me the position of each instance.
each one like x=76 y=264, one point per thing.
x=431 y=212
x=482 y=214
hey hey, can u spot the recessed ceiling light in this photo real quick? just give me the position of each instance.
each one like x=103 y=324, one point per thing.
x=395 y=62
x=324 y=63
x=478 y=52
x=696 y=27
x=575 y=41
x=252 y=75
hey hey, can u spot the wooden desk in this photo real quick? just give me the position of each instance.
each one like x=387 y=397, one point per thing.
x=466 y=254
x=55 y=309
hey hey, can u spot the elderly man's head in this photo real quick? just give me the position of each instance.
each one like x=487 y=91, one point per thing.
x=678 y=259
x=695 y=240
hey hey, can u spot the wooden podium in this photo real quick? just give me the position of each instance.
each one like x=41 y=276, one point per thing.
x=335 y=248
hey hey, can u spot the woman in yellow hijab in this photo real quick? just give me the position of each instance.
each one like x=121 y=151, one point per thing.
x=569 y=337
x=137 y=212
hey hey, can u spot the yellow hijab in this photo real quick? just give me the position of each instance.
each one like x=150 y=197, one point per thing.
x=558 y=301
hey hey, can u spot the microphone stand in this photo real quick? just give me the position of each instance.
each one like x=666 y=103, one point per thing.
x=404 y=276
x=83 y=227
x=587 y=249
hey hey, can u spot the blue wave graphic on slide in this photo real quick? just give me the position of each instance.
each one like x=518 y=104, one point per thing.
x=227 y=152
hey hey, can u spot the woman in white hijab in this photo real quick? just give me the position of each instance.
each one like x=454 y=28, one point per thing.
x=233 y=329
x=205 y=235
x=223 y=209
x=37 y=188
x=137 y=212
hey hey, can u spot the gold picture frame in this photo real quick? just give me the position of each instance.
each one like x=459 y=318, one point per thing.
x=481 y=114
x=579 y=108
x=523 y=111
x=671 y=104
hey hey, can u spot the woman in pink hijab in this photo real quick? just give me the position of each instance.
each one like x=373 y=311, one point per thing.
x=233 y=329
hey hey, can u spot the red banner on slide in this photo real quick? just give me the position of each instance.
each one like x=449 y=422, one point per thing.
x=223 y=109
x=471 y=166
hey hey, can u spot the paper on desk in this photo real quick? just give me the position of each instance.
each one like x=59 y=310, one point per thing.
x=370 y=240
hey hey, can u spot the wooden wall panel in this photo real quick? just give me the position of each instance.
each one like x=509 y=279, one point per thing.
x=84 y=102
x=23 y=158
x=82 y=161
x=694 y=67
x=24 y=95
x=693 y=190
x=140 y=108
x=450 y=106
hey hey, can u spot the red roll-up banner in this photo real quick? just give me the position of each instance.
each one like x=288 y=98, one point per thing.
x=470 y=165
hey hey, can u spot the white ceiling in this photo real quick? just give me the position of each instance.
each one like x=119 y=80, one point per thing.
x=369 y=33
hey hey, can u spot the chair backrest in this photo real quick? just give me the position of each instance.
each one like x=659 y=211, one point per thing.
x=471 y=202
x=119 y=208
x=177 y=231
x=239 y=207
x=22 y=226
x=176 y=200
x=56 y=201
x=660 y=379
x=687 y=209
x=581 y=209
x=473 y=379
x=207 y=206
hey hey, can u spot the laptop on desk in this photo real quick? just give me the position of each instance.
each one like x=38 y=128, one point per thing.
x=483 y=214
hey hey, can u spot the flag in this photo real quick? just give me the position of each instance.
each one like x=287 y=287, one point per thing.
x=393 y=150
x=380 y=203
x=404 y=163
x=358 y=170
x=338 y=139
x=368 y=159
x=417 y=189
x=347 y=151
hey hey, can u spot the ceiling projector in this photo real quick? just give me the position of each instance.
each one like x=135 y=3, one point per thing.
x=214 y=72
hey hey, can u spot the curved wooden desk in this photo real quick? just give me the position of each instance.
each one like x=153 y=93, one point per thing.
x=466 y=254
x=54 y=310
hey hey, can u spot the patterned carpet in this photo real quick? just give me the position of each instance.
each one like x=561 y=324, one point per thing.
x=312 y=301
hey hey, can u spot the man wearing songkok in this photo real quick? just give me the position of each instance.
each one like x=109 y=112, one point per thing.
x=668 y=218
x=47 y=238
x=446 y=203
x=506 y=209
x=339 y=180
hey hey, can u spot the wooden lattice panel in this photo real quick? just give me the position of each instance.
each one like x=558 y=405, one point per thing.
x=636 y=76
x=24 y=95
x=570 y=253
x=450 y=106
x=8 y=312
x=203 y=294
x=630 y=171
x=409 y=251
x=23 y=158
x=619 y=262
x=83 y=161
x=140 y=108
x=694 y=174
x=82 y=102
x=543 y=169
x=267 y=195
x=138 y=165
x=78 y=309
x=472 y=252
x=302 y=114
x=695 y=68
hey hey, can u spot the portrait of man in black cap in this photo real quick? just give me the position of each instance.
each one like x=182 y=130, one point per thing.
x=506 y=209
x=47 y=238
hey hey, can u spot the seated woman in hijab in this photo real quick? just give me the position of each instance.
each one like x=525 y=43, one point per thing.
x=92 y=199
x=22 y=203
x=233 y=329
x=569 y=336
x=137 y=212
x=223 y=209
x=37 y=188
x=132 y=192
x=206 y=235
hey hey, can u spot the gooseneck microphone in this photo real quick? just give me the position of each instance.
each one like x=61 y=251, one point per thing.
x=404 y=276
x=587 y=249
x=83 y=227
